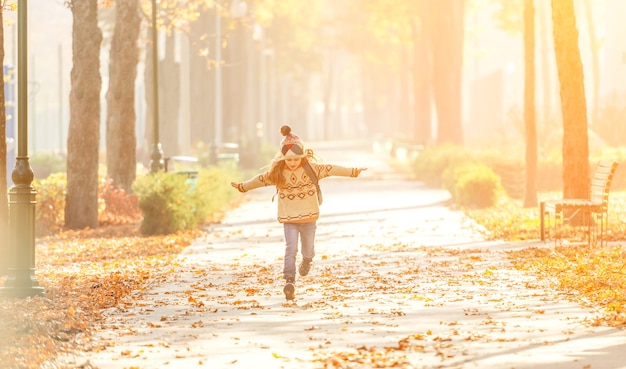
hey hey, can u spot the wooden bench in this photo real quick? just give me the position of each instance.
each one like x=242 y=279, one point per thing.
x=592 y=212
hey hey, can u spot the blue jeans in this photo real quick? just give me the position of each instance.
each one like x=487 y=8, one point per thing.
x=306 y=231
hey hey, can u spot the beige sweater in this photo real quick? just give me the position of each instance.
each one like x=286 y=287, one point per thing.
x=297 y=201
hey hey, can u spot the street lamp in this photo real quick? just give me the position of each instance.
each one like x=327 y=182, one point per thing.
x=218 y=79
x=156 y=156
x=21 y=280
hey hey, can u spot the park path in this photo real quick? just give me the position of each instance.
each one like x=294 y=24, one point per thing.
x=400 y=280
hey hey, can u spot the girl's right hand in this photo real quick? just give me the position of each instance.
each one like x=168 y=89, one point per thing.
x=238 y=186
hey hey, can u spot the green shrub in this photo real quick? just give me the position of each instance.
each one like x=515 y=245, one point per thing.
x=433 y=161
x=172 y=202
x=50 y=207
x=472 y=185
x=168 y=203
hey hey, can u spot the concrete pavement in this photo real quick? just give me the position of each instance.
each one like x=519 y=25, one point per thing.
x=400 y=280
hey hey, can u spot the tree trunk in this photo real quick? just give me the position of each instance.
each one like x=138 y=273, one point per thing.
x=530 y=189
x=169 y=98
x=547 y=90
x=4 y=205
x=595 y=62
x=422 y=96
x=81 y=207
x=202 y=91
x=327 y=96
x=404 y=126
x=121 y=141
x=447 y=46
x=573 y=104
x=234 y=87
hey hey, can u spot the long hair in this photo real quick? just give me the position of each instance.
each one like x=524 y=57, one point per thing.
x=277 y=167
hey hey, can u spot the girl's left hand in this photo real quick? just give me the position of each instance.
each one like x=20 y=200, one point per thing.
x=359 y=170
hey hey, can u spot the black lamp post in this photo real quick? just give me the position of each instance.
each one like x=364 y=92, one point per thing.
x=21 y=281
x=156 y=163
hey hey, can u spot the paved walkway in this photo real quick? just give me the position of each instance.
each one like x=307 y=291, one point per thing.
x=399 y=280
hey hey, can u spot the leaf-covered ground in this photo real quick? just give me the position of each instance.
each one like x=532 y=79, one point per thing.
x=89 y=273
x=83 y=274
x=590 y=275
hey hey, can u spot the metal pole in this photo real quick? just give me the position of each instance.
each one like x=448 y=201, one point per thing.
x=21 y=281
x=156 y=163
x=60 y=98
x=218 y=78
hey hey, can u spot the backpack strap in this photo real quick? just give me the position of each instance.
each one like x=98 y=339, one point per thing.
x=309 y=171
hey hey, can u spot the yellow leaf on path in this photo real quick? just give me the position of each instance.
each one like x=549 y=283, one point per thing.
x=277 y=356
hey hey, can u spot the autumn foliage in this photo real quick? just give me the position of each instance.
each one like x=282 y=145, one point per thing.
x=85 y=272
x=115 y=206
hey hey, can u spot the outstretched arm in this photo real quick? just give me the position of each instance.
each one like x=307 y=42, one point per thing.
x=327 y=170
x=238 y=186
x=257 y=181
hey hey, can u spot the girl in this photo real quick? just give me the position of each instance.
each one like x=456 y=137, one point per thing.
x=295 y=175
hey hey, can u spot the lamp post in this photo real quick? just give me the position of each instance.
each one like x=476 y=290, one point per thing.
x=238 y=10
x=156 y=162
x=218 y=78
x=21 y=280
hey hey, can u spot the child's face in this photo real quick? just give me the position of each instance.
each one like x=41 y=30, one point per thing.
x=293 y=163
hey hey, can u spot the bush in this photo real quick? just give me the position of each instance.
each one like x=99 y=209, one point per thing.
x=114 y=205
x=50 y=207
x=433 y=161
x=472 y=185
x=170 y=202
x=167 y=202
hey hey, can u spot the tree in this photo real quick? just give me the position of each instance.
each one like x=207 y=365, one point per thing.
x=121 y=118
x=595 y=62
x=446 y=28
x=169 y=103
x=4 y=205
x=573 y=104
x=544 y=38
x=422 y=91
x=530 y=192
x=81 y=208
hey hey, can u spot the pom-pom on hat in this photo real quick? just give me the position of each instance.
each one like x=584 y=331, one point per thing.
x=291 y=145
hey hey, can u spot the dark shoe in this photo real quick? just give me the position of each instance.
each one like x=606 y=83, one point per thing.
x=289 y=289
x=304 y=267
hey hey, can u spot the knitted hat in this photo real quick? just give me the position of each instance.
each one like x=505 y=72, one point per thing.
x=291 y=145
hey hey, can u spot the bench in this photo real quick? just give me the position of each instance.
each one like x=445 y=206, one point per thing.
x=592 y=212
x=191 y=175
x=227 y=152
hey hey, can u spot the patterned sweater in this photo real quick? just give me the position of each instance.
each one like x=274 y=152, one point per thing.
x=297 y=201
